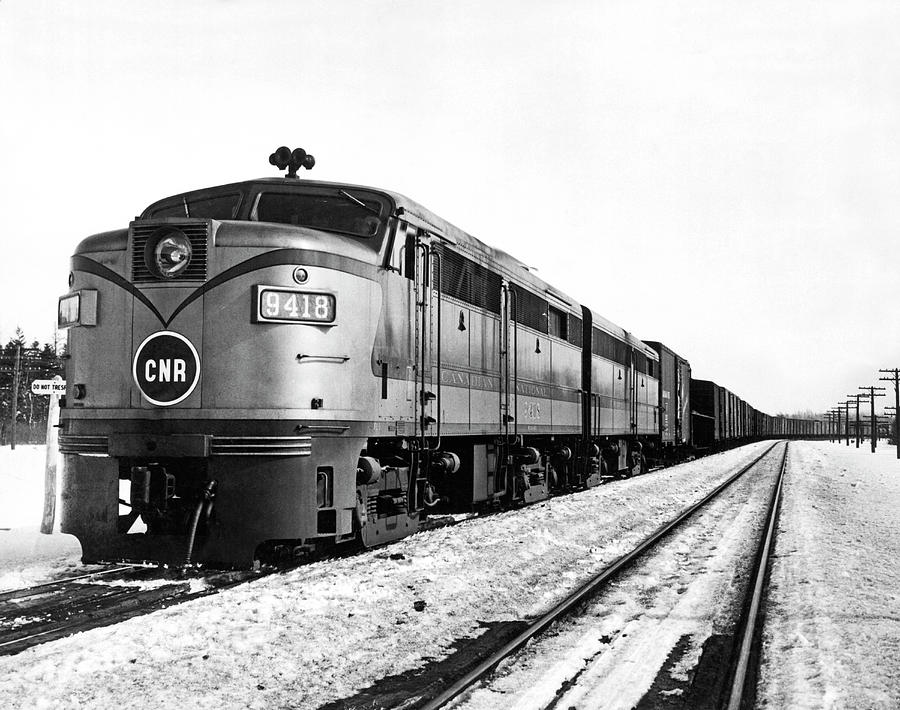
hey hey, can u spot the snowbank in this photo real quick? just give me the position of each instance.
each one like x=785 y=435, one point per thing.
x=21 y=485
x=26 y=556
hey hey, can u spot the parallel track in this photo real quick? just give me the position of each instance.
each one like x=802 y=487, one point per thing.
x=53 y=610
x=746 y=654
x=578 y=597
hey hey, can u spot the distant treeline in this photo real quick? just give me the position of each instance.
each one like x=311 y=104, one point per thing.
x=34 y=361
x=805 y=414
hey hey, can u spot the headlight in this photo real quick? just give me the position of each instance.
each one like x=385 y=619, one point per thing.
x=168 y=253
x=172 y=255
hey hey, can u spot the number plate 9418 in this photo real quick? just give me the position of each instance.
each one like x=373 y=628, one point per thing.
x=272 y=304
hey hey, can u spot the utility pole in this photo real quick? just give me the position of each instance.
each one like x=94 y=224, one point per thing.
x=858 y=395
x=895 y=378
x=847 y=421
x=836 y=432
x=872 y=394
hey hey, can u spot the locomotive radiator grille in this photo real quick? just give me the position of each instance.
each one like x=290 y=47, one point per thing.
x=261 y=446
x=219 y=445
x=196 y=232
x=75 y=444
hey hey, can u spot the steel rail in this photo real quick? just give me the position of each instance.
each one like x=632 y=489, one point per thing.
x=107 y=608
x=748 y=632
x=8 y=594
x=580 y=595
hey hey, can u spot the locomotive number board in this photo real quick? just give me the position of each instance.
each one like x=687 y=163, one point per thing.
x=272 y=304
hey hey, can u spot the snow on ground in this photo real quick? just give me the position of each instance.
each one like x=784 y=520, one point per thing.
x=26 y=556
x=657 y=617
x=324 y=631
x=832 y=632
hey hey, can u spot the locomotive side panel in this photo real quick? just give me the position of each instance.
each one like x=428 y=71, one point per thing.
x=646 y=390
x=455 y=364
x=393 y=355
x=565 y=379
x=608 y=414
x=484 y=378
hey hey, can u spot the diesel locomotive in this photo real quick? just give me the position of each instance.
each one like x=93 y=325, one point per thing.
x=274 y=367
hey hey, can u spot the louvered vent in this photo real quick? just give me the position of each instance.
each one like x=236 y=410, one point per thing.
x=531 y=309
x=462 y=278
x=609 y=347
x=196 y=232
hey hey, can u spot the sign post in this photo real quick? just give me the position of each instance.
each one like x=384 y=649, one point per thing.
x=54 y=388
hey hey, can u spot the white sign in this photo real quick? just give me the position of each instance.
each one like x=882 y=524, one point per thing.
x=47 y=387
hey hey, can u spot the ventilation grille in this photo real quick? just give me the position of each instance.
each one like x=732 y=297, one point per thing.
x=196 y=232
x=531 y=309
x=609 y=347
x=472 y=283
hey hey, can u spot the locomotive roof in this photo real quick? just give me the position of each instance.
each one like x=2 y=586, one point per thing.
x=421 y=216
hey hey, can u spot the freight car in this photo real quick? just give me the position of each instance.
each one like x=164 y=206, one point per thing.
x=721 y=418
x=278 y=366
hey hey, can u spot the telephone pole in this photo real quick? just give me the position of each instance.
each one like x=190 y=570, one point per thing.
x=846 y=406
x=858 y=395
x=836 y=431
x=895 y=378
x=872 y=395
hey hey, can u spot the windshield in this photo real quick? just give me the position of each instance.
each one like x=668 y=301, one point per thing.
x=340 y=210
x=201 y=207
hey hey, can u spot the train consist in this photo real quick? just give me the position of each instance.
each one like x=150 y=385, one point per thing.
x=270 y=368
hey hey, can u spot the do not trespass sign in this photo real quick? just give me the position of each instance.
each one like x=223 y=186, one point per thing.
x=166 y=368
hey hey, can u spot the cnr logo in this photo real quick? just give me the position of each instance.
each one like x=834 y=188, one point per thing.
x=166 y=368
x=173 y=370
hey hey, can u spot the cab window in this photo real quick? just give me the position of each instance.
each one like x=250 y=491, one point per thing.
x=344 y=211
x=207 y=207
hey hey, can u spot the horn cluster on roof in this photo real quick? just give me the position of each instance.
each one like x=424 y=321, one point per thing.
x=284 y=157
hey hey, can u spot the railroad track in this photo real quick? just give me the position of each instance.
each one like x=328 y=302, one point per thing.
x=452 y=680
x=53 y=610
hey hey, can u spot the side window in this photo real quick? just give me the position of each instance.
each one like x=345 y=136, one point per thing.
x=558 y=323
x=403 y=250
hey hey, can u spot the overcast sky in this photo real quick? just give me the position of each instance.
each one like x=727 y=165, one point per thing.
x=721 y=176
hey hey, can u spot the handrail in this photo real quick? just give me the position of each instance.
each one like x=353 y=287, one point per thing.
x=423 y=340
x=435 y=255
x=515 y=319
x=335 y=358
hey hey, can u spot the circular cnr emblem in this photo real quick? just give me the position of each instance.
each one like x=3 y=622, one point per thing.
x=166 y=368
